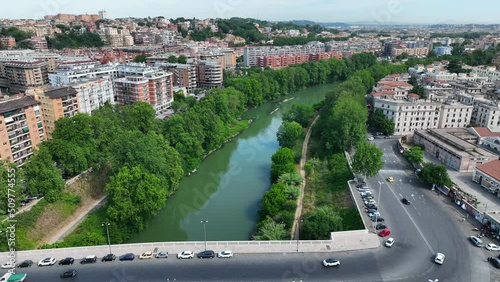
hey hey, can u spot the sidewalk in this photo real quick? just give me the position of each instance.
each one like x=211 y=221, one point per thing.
x=487 y=201
x=341 y=242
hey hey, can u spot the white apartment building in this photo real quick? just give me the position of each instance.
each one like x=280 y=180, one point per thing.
x=76 y=73
x=486 y=71
x=413 y=114
x=486 y=113
x=93 y=94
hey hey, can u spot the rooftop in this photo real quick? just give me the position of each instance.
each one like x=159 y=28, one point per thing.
x=491 y=168
x=60 y=92
x=19 y=103
x=485 y=132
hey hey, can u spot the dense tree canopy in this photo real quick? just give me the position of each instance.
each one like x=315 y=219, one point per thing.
x=74 y=39
x=300 y=113
x=433 y=173
x=415 y=154
x=380 y=123
x=367 y=159
x=289 y=133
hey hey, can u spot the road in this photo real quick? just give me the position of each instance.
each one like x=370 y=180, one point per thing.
x=421 y=229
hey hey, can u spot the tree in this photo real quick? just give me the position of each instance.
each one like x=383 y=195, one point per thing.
x=182 y=59
x=282 y=162
x=42 y=176
x=288 y=134
x=300 y=113
x=273 y=201
x=319 y=224
x=140 y=116
x=140 y=58
x=134 y=197
x=420 y=90
x=293 y=179
x=270 y=230
x=415 y=155
x=368 y=159
x=172 y=59
x=435 y=174
x=69 y=156
x=380 y=123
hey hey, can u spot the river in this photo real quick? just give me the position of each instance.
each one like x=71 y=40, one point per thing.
x=227 y=188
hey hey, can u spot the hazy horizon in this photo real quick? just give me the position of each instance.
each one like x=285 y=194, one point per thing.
x=354 y=11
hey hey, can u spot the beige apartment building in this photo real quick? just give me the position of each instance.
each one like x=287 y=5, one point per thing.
x=22 y=74
x=184 y=75
x=21 y=129
x=56 y=103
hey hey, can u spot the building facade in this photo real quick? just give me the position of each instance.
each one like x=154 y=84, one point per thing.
x=21 y=129
x=209 y=75
x=93 y=94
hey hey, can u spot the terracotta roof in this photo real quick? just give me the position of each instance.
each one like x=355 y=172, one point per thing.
x=394 y=83
x=491 y=168
x=413 y=95
x=381 y=93
x=485 y=132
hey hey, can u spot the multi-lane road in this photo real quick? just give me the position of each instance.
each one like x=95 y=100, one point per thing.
x=421 y=230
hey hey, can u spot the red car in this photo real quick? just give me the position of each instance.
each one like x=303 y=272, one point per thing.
x=385 y=232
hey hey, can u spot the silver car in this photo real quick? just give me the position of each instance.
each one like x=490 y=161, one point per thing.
x=162 y=255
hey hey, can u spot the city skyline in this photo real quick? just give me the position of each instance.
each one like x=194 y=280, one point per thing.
x=353 y=11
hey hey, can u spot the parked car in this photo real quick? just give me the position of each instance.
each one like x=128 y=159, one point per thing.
x=225 y=254
x=362 y=185
x=494 y=261
x=185 y=255
x=69 y=273
x=371 y=210
x=371 y=138
x=385 y=232
x=88 y=259
x=67 y=261
x=374 y=214
x=162 y=255
x=405 y=201
x=367 y=197
x=331 y=262
x=108 y=257
x=377 y=219
x=47 y=261
x=365 y=193
x=26 y=263
x=439 y=258
x=371 y=206
x=492 y=247
x=380 y=226
x=389 y=242
x=206 y=254
x=8 y=265
x=370 y=202
x=127 y=256
x=146 y=255
x=390 y=179
x=476 y=241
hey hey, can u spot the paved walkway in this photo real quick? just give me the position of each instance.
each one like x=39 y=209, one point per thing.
x=300 y=199
x=73 y=222
x=341 y=242
x=487 y=201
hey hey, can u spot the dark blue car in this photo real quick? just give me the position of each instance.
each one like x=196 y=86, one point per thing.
x=129 y=256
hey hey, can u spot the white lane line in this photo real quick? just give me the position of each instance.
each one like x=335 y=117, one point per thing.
x=413 y=221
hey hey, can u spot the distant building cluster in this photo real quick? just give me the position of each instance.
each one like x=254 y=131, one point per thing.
x=394 y=48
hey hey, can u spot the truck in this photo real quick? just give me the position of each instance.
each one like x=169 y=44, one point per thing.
x=12 y=277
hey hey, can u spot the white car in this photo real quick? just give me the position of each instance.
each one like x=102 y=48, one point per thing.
x=439 y=258
x=489 y=247
x=370 y=202
x=374 y=214
x=225 y=254
x=7 y=265
x=185 y=255
x=47 y=261
x=331 y=262
x=389 y=242
x=367 y=193
x=146 y=255
x=371 y=138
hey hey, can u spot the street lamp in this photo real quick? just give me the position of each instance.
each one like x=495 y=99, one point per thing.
x=299 y=221
x=204 y=221
x=107 y=233
x=378 y=199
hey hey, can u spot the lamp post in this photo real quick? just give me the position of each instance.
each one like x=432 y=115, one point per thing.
x=107 y=233
x=378 y=199
x=204 y=221
x=299 y=221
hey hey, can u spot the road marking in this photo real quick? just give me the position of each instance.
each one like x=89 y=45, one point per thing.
x=413 y=221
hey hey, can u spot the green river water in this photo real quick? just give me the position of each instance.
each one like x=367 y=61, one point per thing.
x=227 y=188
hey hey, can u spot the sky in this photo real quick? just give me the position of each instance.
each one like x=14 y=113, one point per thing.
x=378 y=11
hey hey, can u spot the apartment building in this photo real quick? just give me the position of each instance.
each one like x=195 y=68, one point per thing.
x=486 y=113
x=443 y=50
x=7 y=42
x=251 y=55
x=138 y=83
x=225 y=57
x=395 y=48
x=21 y=129
x=56 y=103
x=492 y=73
x=184 y=75
x=85 y=71
x=209 y=74
x=23 y=74
x=93 y=94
